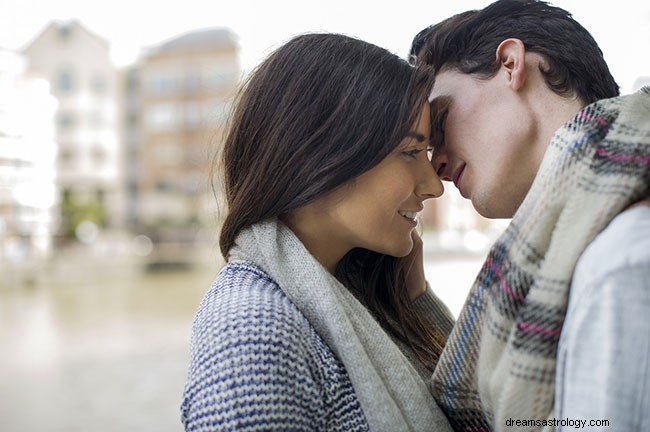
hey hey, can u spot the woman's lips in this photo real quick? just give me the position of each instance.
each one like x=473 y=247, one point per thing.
x=409 y=216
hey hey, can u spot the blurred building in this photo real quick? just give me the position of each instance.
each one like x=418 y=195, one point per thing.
x=28 y=194
x=78 y=67
x=180 y=94
x=131 y=141
x=642 y=81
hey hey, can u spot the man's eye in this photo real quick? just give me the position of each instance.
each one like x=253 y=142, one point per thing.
x=439 y=110
x=440 y=123
x=438 y=130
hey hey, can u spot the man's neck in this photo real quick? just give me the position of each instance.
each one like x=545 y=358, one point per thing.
x=554 y=111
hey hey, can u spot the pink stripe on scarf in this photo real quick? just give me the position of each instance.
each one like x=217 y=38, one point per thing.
x=537 y=329
x=503 y=283
x=601 y=121
x=623 y=158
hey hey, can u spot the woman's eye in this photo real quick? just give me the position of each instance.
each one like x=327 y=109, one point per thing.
x=412 y=153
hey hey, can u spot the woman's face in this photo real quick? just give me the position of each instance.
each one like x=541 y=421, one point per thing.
x=377 y=210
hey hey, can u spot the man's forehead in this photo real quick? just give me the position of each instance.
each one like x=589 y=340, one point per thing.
x=437 y=90
x=447 y=82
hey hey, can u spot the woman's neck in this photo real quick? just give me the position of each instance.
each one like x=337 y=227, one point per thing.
x=321 y=242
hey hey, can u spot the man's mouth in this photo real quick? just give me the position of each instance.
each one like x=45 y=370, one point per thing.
x=458 y=175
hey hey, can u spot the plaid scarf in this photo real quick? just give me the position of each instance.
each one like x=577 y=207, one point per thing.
x=499 y=362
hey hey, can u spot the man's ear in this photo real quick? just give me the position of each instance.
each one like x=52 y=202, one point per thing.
x=511 y=55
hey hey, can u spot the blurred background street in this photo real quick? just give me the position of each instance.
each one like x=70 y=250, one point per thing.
x=95 y=342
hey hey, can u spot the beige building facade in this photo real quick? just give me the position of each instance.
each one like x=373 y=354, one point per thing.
x=185 y=91
x=77 y=64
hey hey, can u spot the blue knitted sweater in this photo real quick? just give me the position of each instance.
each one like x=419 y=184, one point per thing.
x=258 y=365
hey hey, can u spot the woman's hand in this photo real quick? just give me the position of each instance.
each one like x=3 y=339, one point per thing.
x=414 y=267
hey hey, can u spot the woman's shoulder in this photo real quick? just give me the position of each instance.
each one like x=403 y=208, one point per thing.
x=246 y=323
x=245 y=312
x=255 y=356
x=244 y=271
x=240 y=281
x=243 y=292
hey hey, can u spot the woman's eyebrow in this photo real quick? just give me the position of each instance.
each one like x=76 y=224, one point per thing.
x=417 y=135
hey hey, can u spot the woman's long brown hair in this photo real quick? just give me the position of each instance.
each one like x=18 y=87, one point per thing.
x=317 y=113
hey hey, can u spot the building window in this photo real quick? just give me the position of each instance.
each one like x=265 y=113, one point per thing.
x=168 y=153
x=164 y=186
x=97 y=119
x=193 y=183
x=132 y=83
x=196 y=155
x=192 y=82
x=218 y=110
x=162 y=84
x=98 y=84
x=65 y=120
x=193 y=115
x=99 y=155
x=220 y=76
x=65 y=30
x=66 y=156
x=64 y=82
x=162 y=116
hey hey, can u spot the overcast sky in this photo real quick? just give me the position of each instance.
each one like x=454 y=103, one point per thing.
x=621 y=27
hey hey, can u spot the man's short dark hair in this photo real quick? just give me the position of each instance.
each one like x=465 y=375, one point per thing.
x=468 y=42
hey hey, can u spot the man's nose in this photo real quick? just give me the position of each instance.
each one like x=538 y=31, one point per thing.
x=440 y=164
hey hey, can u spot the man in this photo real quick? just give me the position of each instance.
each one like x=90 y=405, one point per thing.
x=554 y=332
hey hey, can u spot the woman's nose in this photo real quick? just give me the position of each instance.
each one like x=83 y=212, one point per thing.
x=429 y=184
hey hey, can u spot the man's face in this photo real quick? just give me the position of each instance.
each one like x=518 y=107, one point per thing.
x=482 y=136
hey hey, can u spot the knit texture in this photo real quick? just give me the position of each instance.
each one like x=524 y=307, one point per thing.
x=258 y=365
x=392 y=394
x=500 y=360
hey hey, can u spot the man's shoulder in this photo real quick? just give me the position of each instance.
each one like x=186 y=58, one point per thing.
x=624 y=243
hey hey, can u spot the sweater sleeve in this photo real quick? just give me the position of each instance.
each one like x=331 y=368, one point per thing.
x=251 y=364
x=435 y=311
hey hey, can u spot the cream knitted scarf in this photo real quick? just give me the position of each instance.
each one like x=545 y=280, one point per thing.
x=499 y=362
x=393 y=396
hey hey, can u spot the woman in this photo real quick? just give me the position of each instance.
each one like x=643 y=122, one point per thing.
x=310 y=326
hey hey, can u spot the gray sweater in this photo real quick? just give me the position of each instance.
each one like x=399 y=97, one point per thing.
x=279 y=344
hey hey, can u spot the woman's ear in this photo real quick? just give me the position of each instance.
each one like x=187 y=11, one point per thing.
x=511 y=55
